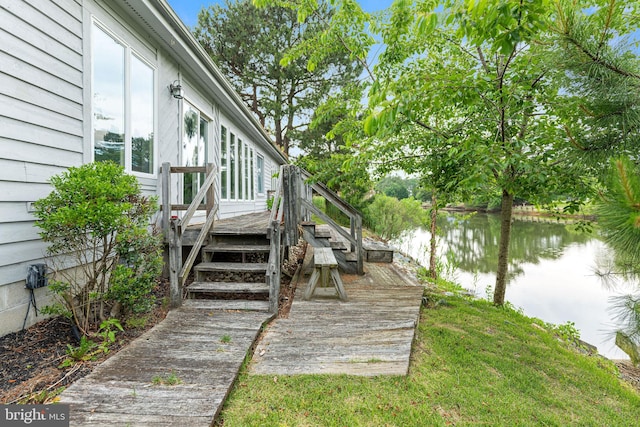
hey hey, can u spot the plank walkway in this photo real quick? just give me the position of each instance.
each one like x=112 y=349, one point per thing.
x=187 y=345
x=370 y=334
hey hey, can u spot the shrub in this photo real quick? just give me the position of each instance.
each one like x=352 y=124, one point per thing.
x=388 y=217
x=96 y=221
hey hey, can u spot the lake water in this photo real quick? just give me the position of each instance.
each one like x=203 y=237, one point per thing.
x=551 y=271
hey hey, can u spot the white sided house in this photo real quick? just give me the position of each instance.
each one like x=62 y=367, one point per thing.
x=122 y=80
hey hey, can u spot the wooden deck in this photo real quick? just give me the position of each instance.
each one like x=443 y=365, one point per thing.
x=249 y=224
x=370 y=334
x=188 y=344
x=254 y=223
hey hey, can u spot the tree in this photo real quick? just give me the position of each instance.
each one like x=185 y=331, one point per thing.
x=473 y=78
x=602 y=78
x=248 y=44
x=393 y=186
x=326 y=147
x=603 y=73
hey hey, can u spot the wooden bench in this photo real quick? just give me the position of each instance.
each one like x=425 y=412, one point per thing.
x=325 y=269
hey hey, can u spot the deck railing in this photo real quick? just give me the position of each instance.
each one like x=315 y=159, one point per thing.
x=174 y=226
x=276 y=254
x=298 y=190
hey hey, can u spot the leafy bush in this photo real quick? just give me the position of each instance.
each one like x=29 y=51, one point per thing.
x=389 y=217
x=96 y=224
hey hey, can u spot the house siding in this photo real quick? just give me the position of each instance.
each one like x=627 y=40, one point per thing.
x=46 y=116
x=41 y=93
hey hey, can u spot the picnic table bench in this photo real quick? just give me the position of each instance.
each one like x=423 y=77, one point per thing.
x=325 y=270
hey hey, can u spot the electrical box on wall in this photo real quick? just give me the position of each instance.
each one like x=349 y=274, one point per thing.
x=37 y=276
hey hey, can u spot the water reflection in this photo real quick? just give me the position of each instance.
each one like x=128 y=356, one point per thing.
x=551 y=270
x=474 y=241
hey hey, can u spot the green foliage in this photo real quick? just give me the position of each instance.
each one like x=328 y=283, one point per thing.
x=331 y=147
x=132 y=281
x=136 y=322
x=81 y=353
x=388 y=217
x=169 y=379
x=283 y=98
x=619 y=209
x=394 y=186
x=225 y=339
x=95 y=218
x=88 y=349
x=627 y=314
x=568 y=332
x=107 y=332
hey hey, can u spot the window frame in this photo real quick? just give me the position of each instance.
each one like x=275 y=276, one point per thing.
x=130 y=51
x=240 y=165
x=260 y=174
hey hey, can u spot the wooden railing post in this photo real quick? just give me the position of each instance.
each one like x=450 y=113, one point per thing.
x=175 y=263
x=273 y=270
x=211 y=195
x=166 y=198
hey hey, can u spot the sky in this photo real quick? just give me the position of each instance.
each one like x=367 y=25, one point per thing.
x=188 y=10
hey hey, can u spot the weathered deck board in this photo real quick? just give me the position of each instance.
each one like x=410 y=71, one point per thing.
x=370 y=334
x=254 y=223
x=187 y=344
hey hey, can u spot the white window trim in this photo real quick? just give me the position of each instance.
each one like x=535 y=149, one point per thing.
x=129 y=50
x=258 y=192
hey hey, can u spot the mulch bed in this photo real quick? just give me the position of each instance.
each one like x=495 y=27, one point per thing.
x=30 y=359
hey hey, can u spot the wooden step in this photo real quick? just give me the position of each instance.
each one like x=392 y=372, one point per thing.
x=322 y=234
x=237 y=248
x=338 y=245
x=212 y=304
x=228 y=288
x=234 y=267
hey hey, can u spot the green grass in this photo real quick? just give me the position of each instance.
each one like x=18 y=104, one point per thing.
x=473 y=364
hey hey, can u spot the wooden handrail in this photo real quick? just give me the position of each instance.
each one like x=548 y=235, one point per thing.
x=276 y=209
x=193 y=206
x=173 y=227
x=274 y=267
x=299 y=199
x=191 y=258
x=326 y=218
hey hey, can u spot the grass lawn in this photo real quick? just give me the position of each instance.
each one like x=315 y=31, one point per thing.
x=473 y=364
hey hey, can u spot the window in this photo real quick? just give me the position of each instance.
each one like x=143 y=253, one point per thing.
x=195 y=142
x=260 y=172
x=240 y=169
x=246 y=172
x=123 y=104
x=233 y=166
x=237 y=167
x=223 y=163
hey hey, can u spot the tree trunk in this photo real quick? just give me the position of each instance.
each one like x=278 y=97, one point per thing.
x=433 y=229
x=503 y=250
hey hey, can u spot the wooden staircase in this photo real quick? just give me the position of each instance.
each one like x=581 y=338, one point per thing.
x=321 y=238
x=233 y=269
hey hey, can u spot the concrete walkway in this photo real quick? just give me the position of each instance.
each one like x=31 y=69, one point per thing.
x=200 y=345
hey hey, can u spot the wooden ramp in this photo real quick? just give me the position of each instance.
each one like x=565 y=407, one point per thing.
x=369 y=334
x=200 y=344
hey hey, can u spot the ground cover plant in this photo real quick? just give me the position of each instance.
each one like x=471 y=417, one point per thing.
x=473 y=364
